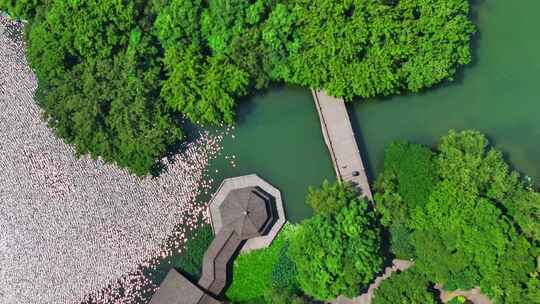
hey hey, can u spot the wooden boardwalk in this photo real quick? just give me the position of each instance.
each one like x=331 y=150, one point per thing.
x=339 y=138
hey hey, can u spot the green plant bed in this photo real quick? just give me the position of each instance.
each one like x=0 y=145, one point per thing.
x=190 y=260
x=252 y=272
x=284 y=271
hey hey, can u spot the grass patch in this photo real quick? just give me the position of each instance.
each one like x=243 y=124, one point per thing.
x=252 y=271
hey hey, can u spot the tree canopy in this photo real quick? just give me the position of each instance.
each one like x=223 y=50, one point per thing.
x=116 y=76
x=372 y=48
x=330 y=198
x=463 y=215
x=337 y=252
x=407 y=287
x=99 y=75
x=25 y=9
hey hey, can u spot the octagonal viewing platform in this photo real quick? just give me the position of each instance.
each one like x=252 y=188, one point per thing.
x=246 y=189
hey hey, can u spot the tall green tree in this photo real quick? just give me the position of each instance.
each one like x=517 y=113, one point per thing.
x=476 y=223
x=330 y=198
x=339 y=252
x=370 y=48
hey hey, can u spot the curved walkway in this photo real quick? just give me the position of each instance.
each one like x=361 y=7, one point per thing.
x=397 y=265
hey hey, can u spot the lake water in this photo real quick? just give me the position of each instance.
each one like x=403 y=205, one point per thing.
x=278 y=137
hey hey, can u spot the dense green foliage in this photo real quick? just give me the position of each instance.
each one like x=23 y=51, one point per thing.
x=408 y=287
x=414 y=168
x=100 y=74
x=283 y=296
x=337 y=253
x=330 y=198
x=457 y=300
x=472 y=224
x=24 y=9
x=372 y=47
x=253 y=272
x=191 y=259
x=114 y=76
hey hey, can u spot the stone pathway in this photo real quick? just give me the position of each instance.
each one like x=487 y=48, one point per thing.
x=474 y=295
x=397 y=265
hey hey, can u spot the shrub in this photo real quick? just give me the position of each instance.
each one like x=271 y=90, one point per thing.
x=409 y=286
x=252 y=271
x=284 y=271
x=337 y=253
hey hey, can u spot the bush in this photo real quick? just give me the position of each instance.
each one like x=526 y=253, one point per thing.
x=284 y=271
x=337 y=253
x=408 y=286
x=473 y=224
x=252 y=271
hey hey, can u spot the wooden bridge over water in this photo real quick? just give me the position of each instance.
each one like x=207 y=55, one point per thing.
x=339 y=138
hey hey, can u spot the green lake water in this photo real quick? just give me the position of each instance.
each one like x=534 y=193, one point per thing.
x=278 y=137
